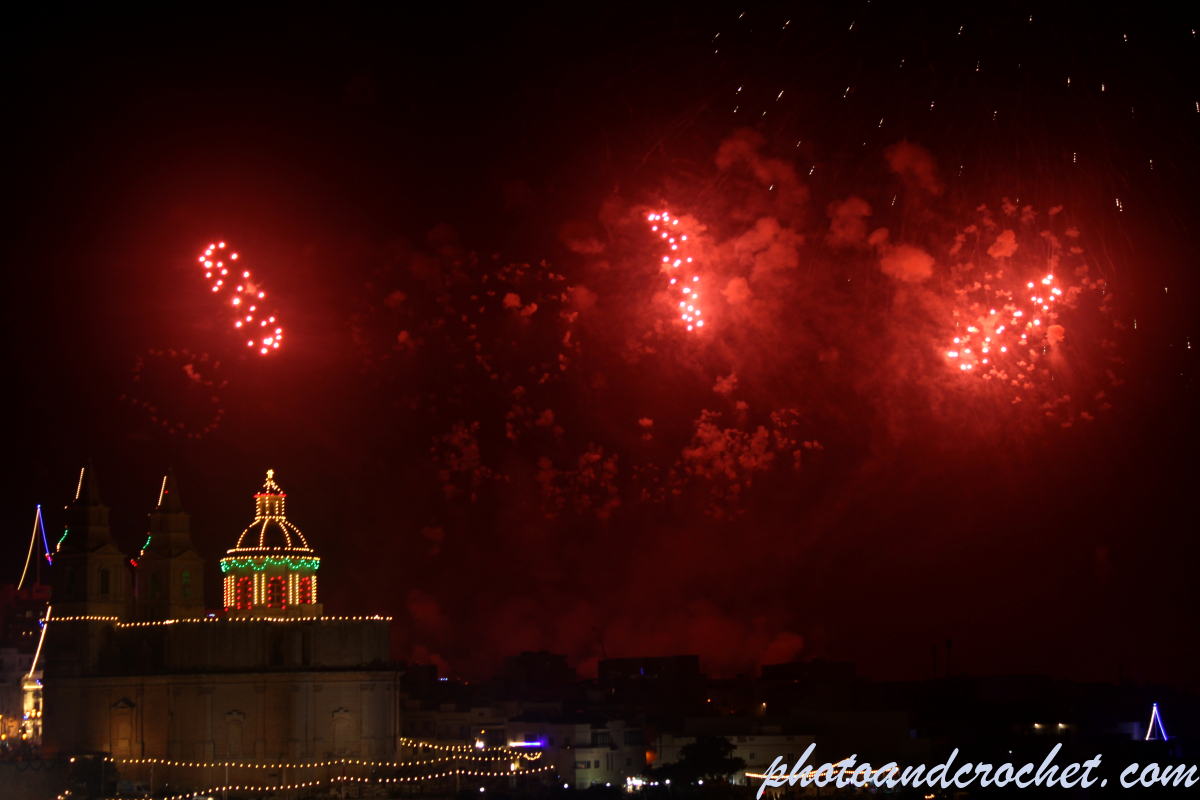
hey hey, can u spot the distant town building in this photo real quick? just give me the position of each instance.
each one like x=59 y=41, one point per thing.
x=588 y=749
x=21 y=611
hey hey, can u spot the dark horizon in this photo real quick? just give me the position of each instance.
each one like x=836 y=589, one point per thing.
x=375 y=168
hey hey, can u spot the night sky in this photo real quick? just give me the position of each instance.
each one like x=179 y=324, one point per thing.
x=489 y=416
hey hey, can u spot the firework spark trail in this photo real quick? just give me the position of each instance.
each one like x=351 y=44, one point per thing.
x=244 y=297
x=177 y=391
x=509 y=333
x=505 y=331
x=1011 y=316
x=685 y=284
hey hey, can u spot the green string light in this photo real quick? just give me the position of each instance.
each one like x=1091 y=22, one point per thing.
x=260 y=563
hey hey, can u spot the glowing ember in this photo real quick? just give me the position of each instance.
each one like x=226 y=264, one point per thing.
x=177 y=392
x=216 y=260
x=691 y=309
x=1019 y=334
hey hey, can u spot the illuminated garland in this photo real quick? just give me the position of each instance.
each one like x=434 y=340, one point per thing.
x=460 y=748
x=98 y=618
x=304 y=765
x=337 y=762
x=255 y=619
x=37 y=523
x=281 y=548
x=470 y=773
x=264 y=562
x=342 y=779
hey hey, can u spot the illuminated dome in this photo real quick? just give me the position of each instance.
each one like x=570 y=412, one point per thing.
x=271 y=571
x=271 y=532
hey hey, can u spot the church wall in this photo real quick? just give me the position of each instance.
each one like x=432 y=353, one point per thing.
x=282 y=717
x=195 y=690
x=245 y=644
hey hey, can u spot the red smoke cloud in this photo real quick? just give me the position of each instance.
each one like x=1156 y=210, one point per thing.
x=848 y=222
x=633 y=518
x=915 y=165
x=907 y=263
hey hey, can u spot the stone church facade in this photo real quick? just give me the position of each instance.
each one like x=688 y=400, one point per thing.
x=135 y=667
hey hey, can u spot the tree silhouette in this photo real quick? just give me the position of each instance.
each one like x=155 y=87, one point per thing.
x=707 y=758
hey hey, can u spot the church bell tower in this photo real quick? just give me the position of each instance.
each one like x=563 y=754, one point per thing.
x=169 y=573
x=89 y=570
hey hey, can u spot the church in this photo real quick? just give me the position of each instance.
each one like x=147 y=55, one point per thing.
x=137 y=668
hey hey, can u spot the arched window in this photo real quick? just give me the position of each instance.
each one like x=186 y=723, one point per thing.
x=244 y=594
x=306 y=590
x=185 y=584
x=277 y=592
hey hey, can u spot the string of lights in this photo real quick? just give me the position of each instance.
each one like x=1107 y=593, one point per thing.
x=280 y=548
x=406 y=742
x=37 y=524
x=214 y=790
x=265 y=562
x=469 y=753
x=337 y=762
x=338 y=779
x=101 y=618
x=469 y=773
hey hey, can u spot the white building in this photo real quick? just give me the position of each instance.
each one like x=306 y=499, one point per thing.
x=587 y=749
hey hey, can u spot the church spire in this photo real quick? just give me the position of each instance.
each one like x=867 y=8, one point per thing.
x=169 y=501
x=87 y=517
x=87 y=492
x=170 y=529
